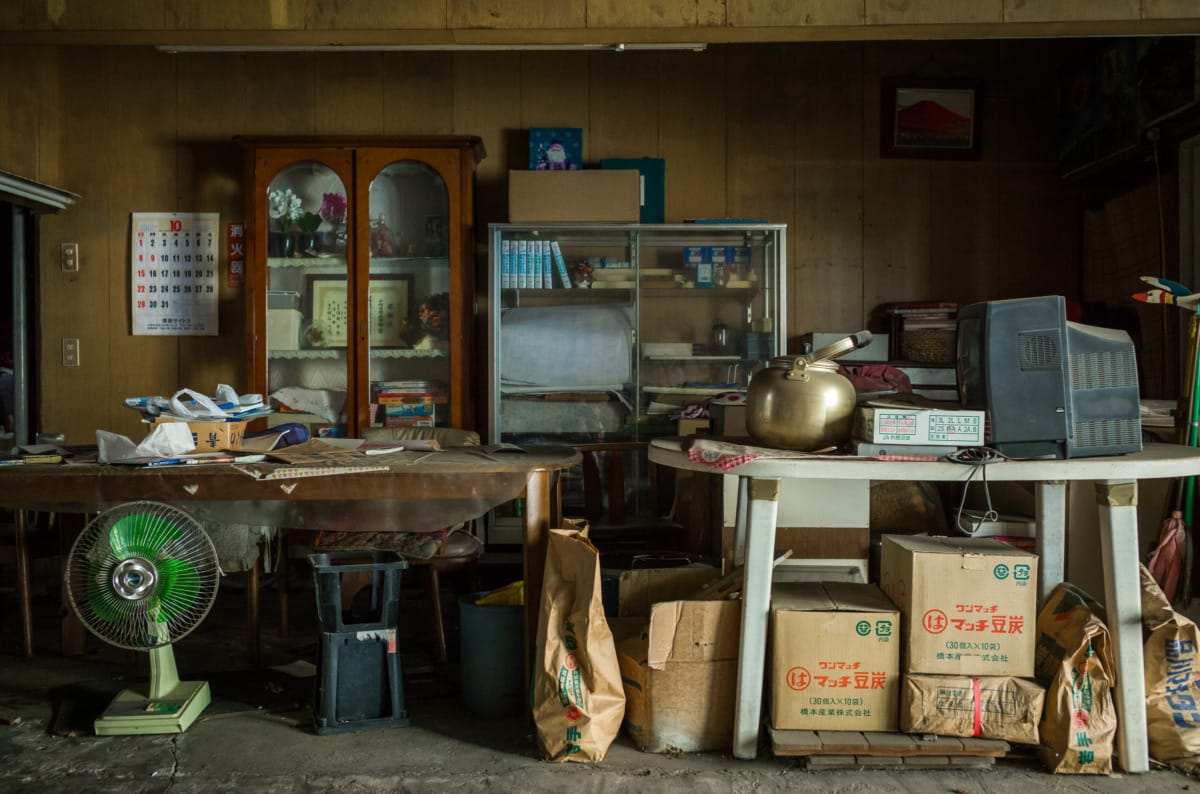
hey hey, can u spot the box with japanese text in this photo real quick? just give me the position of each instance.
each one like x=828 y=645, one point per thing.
x=212 y=436
x=969 y=604
x=909 y=425
x=835 y=657
x=989 y=707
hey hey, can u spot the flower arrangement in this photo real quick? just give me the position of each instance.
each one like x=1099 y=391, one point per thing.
x=283 y=207
x=333 y=208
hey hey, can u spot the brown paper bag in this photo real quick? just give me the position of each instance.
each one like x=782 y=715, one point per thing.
x=1172 y=680
x=578 y=699
x=1074 y=662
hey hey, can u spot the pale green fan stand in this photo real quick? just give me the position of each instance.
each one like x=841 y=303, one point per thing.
x=171 y=706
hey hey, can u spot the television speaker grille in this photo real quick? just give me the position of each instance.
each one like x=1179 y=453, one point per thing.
x=1107 y=433
x=1105 y=370
x=1040 y=349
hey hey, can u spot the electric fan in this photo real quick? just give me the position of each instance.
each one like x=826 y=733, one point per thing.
x=140 y=576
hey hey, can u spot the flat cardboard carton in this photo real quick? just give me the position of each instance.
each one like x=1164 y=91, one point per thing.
x=680 y=669
x=579 y=196
x=990 y=707
x=835 y=657
x=212 y=436
x=969 y=604
x=911 y=425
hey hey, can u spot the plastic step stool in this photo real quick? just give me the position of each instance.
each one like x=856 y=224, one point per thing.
x=359 y=682
x=384 y=569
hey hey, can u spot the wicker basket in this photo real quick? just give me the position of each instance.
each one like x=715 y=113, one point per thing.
x=929 y=345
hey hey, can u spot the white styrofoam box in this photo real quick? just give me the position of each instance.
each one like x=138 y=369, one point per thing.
x=811 y=503
x=283 y=329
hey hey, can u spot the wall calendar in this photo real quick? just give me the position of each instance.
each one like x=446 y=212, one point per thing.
x=175 y=263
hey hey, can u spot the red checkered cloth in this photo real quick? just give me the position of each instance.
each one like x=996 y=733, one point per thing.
x=718 y=459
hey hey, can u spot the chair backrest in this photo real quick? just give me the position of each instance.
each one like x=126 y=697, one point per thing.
x=604 y=480
x=446 y=436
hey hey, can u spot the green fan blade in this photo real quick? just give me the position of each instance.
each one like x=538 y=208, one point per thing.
x=178 y=587
x=139 y=534
x=99 y=596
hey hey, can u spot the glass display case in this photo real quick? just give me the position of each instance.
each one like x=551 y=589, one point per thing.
x=359 y=280
x=611 y=331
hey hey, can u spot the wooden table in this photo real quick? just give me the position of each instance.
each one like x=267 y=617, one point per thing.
x=419 y=491
x=1115 y=479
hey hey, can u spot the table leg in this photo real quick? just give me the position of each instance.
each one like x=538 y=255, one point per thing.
x=739 y=522
x=1122 y=597
x=24 y=594
x=1050 y=500
x=762 y=510
x=252 y=629
x=540 y=505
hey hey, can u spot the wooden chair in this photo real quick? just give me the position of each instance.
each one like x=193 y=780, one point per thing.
x=608 y=483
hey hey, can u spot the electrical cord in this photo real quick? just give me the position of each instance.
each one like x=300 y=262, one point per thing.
x=978 y=458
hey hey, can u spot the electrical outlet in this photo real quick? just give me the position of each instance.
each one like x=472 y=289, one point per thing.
x=70 y=351
x=69 y=257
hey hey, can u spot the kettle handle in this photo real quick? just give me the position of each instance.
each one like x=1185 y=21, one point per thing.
x=841 y=347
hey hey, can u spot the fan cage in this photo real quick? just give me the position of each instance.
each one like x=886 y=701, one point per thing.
x=182 y=561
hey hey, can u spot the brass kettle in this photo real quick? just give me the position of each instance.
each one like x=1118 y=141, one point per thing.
x=801 y=402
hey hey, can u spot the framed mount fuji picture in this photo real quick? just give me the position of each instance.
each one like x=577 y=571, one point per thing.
x=930 y=118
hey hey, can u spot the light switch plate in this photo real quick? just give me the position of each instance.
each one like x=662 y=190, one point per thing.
x=69 y=257
x=70 y=351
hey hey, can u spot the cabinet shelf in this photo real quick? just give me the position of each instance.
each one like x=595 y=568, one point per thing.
x=553 y=338
x=336 y=352
x=331 y=263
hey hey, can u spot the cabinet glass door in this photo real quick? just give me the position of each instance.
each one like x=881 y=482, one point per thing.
x=308 y=306
x=408 y=296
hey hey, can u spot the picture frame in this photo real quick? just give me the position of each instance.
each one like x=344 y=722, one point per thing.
x=931 y=118
x=389 y=309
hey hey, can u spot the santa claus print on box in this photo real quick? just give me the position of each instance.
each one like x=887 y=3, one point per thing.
x=555 y=149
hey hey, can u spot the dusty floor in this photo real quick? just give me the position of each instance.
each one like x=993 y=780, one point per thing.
x=258 y=736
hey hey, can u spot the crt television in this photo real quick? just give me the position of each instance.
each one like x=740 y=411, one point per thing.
x=1049 y=387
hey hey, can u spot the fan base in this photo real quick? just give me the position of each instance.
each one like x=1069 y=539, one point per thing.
x=131 y=712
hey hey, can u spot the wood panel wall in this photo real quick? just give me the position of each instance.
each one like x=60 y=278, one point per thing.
x=784 y=132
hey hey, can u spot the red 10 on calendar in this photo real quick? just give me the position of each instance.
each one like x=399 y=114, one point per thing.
x=175 y=263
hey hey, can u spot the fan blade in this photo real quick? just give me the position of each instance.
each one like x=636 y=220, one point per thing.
x=178 y=588
x=141 y=534
x=100 y=598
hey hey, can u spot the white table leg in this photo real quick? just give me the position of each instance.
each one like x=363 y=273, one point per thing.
x=1123 y=602
x=1050 y=501
x=762 y=509
x=739 y=524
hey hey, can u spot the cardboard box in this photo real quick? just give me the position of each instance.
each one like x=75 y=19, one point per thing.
x=991 y=707
x=680 y=670
x=908 y=425
x=580 y=196
x=835 y=657
x=969 y=604
x=680 y=677
x=652 y=173
x=211 y=436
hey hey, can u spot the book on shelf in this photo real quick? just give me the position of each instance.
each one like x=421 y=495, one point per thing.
x=522 y=264
x=506 y=265
x=560 y=264
x=547 y=265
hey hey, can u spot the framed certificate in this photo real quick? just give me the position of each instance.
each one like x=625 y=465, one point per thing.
x=389 y=299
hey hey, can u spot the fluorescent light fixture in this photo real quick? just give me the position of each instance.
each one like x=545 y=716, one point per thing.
x=269 y=48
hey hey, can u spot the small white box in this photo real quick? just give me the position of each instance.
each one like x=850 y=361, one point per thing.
x=283 y=329
x=908 y=425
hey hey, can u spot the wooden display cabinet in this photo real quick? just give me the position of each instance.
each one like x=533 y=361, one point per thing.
x=359 y=282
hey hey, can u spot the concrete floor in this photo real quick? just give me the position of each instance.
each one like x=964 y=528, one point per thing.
x=258 y=736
